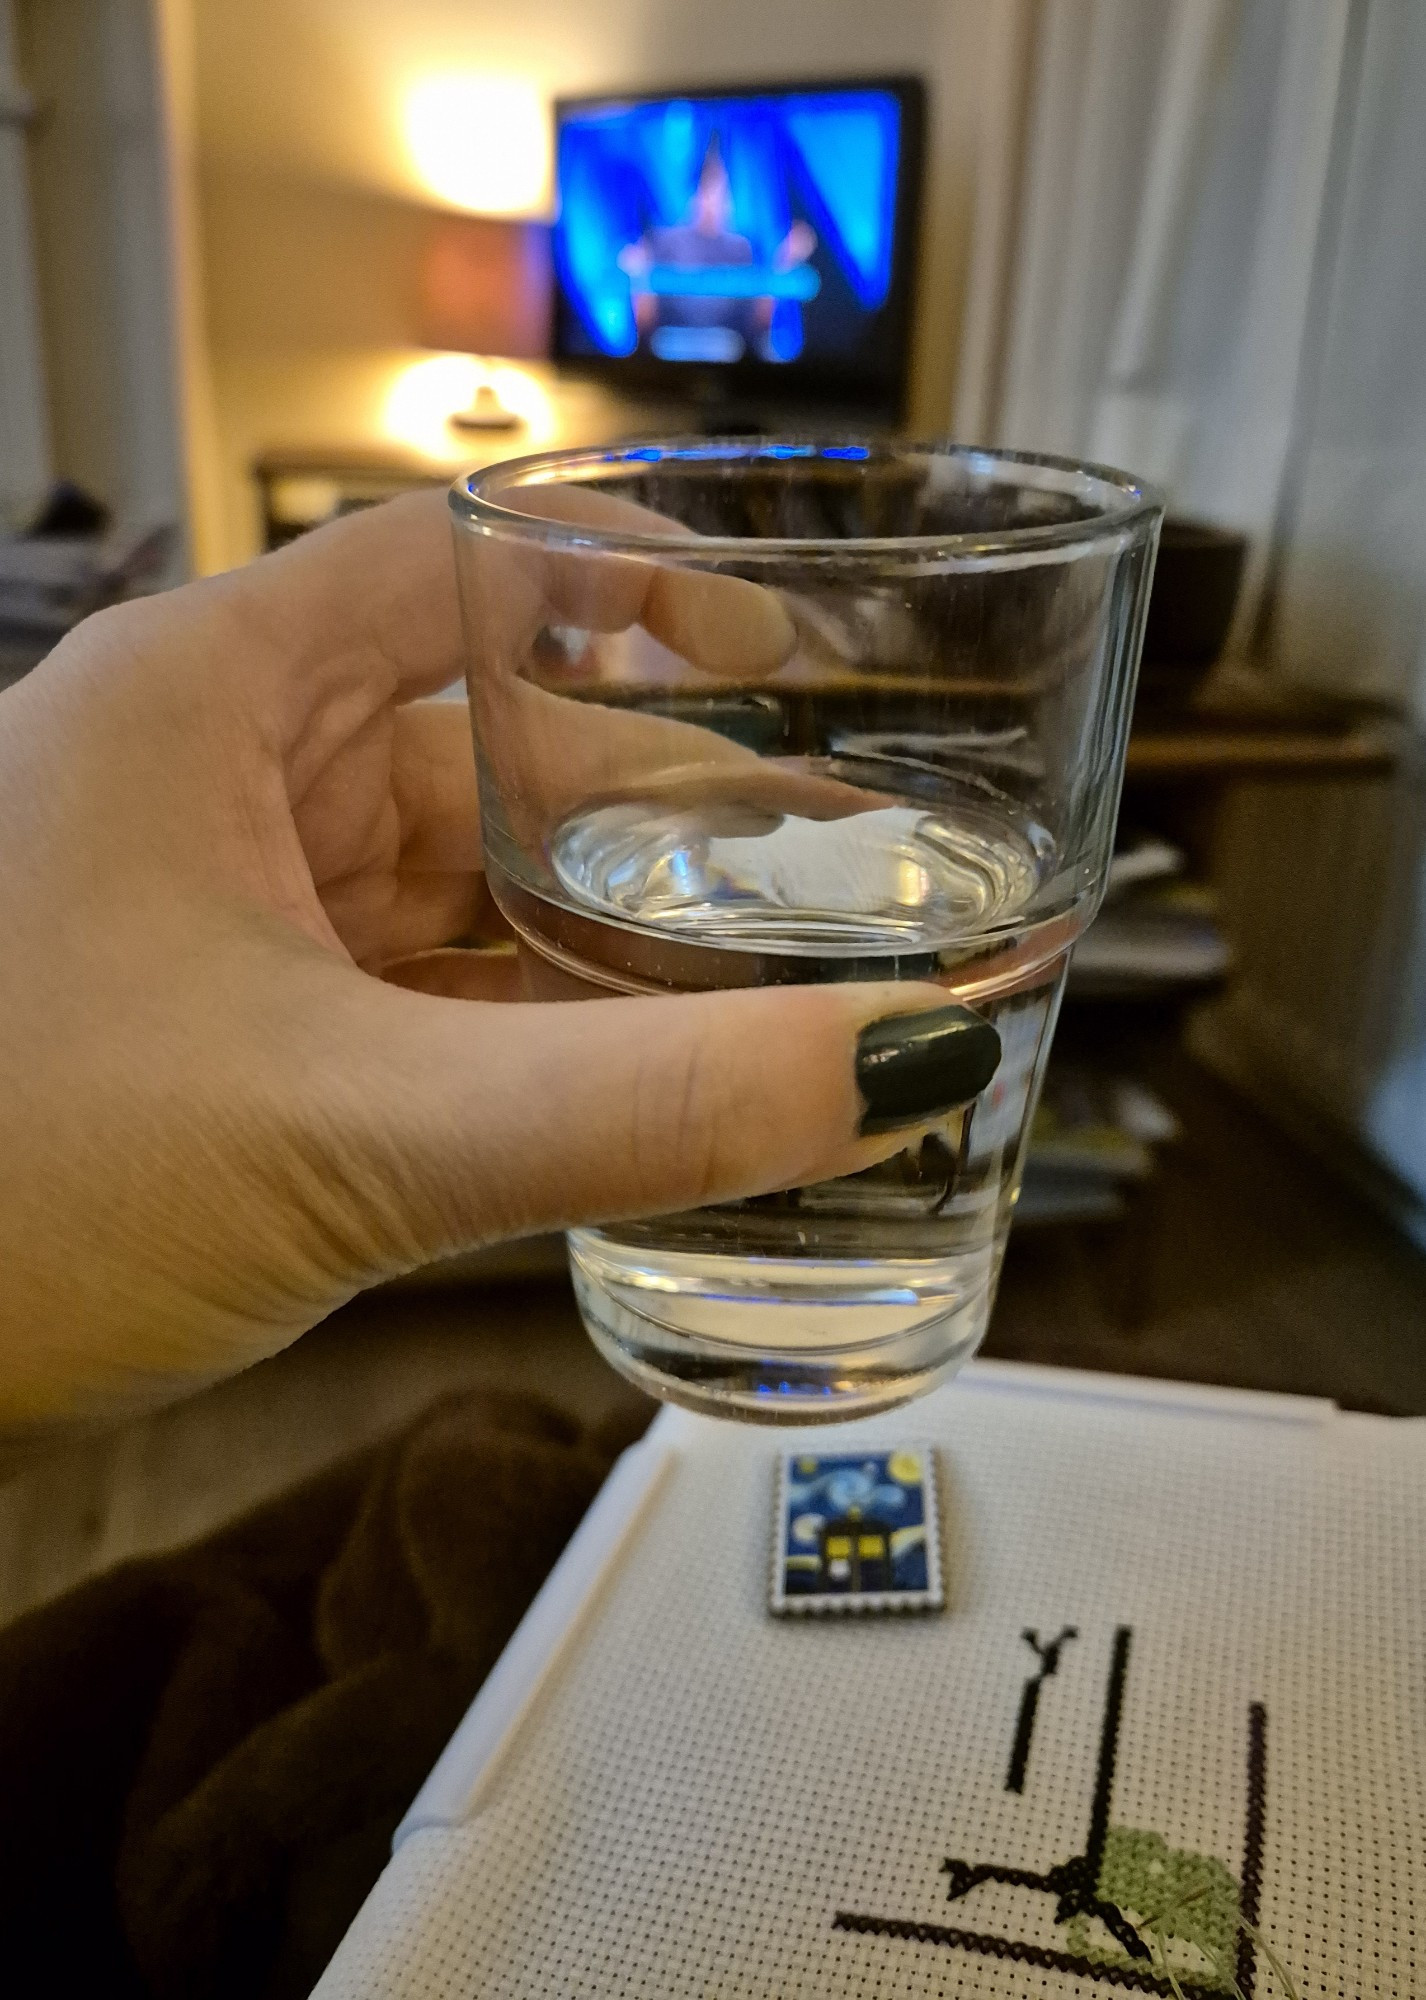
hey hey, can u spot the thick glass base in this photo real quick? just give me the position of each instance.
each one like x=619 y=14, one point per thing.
x=780 y=1341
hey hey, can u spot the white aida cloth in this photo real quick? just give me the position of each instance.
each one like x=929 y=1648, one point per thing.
x=705 y=1800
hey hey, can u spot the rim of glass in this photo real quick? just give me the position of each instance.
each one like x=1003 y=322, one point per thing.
x=1125 y=502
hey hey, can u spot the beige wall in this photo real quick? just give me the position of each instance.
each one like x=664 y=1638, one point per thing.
x=177 y=59
x=311 y=219
x=299 y=265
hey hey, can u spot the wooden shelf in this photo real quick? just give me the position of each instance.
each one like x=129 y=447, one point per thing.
x=1363 y=750
x=1242 y=726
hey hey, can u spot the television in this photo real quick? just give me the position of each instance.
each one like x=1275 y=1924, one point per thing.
x=752 y=246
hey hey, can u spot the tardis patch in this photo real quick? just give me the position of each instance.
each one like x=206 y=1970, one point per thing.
x=857 y=1532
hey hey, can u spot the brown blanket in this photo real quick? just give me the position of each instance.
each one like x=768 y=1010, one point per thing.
x=203 y=1755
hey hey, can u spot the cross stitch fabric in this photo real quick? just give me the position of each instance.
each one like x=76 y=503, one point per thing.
x=711 y=1801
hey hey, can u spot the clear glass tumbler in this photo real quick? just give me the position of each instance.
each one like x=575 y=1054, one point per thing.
x=752 y=711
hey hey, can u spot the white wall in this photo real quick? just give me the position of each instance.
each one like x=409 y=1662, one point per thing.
x=102 y=186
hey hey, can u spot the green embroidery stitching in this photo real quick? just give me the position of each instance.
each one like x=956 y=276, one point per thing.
x=1190 y=1900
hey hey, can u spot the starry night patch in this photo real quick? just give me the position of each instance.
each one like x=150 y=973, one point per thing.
x=857 y=1532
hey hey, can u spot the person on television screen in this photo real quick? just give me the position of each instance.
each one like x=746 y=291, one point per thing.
x=707 y=323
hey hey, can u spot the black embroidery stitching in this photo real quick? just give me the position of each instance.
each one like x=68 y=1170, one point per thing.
x=1252 y=1882
x=1049 y=1658
x=1022 y=1954
x=1074 y=1882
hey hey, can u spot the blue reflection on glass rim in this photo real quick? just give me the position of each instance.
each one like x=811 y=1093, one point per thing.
x=724 y=449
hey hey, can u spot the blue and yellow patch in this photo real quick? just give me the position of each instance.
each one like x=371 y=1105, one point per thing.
x=857 y=1531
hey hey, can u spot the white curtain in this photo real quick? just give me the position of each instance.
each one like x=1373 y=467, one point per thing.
x=101 y=259
x=24 y=429
x=1352 y=605
x=1210 y=267
x=1160 y=266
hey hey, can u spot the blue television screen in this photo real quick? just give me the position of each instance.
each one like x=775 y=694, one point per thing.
x=757 y=231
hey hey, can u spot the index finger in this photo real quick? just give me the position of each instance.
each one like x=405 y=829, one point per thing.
x=718 y=623
x=369 y=599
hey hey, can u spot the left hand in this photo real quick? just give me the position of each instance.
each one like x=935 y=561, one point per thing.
x=223 y=810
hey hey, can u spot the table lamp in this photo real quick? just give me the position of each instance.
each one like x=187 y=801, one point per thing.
x=486 y=291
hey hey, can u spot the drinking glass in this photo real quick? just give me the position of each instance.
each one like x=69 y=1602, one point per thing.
x=759 y=710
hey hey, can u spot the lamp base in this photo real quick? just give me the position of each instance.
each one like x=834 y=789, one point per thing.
x=486 y=413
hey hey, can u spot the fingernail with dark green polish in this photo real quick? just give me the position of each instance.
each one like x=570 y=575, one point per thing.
x=912 y=1067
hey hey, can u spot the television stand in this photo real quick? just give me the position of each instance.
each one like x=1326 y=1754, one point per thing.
x=337 y=455
x=731 y=423
x=719 y=408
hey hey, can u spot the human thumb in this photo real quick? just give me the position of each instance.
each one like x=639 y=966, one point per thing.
x=476 y=1120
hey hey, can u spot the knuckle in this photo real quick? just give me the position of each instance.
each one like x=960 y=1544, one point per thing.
x=685 y=1141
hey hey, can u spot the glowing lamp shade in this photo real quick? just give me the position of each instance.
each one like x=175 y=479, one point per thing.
x=480 y=143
